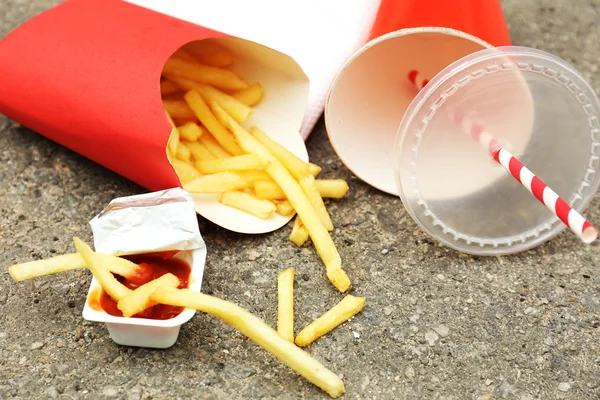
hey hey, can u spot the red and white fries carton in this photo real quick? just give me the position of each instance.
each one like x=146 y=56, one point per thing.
x=86 y=75
x=162 y=221
x=372 y=90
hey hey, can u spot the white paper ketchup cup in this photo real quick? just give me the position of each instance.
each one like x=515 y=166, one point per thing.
x=149 y=223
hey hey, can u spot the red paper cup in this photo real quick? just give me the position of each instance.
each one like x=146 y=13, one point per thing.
x=86 y=74
x=370 y=94
x=481 y=18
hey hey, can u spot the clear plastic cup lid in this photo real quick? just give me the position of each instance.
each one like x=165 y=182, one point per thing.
x=539 y=108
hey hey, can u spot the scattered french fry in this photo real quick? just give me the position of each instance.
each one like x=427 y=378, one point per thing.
x=299 y=233
x=139 y=300
x=298 y=168
x=168 y=87
x=332 y=188
x=215 y=76
x=208 y=53
x=237 y=163
x=318 y=233
x=257 y=331
x=284 y=207
x=219 y=182
x=338 y=314
x=250 y=96
x=314 y=169
x=185 y=171
x=190 y=131
x=99 y=268
x=68 y=262
x=199 y=151
x=183 y=152
x=268 y=190
x=213 y=146
x=285 y=304
x=262 y=209
x=310 y=190
x=205 y=115
x=178 y=109
x=238 y=110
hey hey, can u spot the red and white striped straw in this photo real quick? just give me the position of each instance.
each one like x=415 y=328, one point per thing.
x=571 y=218
x=415 y=77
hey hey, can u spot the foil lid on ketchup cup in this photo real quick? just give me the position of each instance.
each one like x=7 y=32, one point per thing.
x=159 y=222
x=86 y=75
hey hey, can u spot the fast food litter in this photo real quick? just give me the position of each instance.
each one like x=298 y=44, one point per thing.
x=147 y=276
x=338 y=314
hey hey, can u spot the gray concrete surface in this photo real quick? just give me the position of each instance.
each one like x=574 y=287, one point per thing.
x=438 y=324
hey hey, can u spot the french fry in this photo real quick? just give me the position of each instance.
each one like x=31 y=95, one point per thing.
x=184 y=55
x=255 y=176
x=298 y=168
x=173 y=142
x=183 y=153
x=319 y=235
x=328 y=188
x=68 y=262
x=199 y=151
x=237 y=163
x=250 y=96
x=200 y=108
x=299 y=233
x=178 y=109
x=168 y=87
x=209 y=54
x=219 y=182
x=182 y=121
x=248 y=203
x=139 y=300
x=310 y=190
x=332 y=188
x=238 y=110
x=257 y=331
x=285 y=304
x=284 y=207
x=190 y=131
x=218 y=77
x=99 y=268
x=268 y=190
x=213 y=146
x=338 y=314
x=185 y=171
x=314 y=169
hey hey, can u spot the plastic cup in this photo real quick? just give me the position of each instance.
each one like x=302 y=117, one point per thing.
x=540 y=108
x=481 y=18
